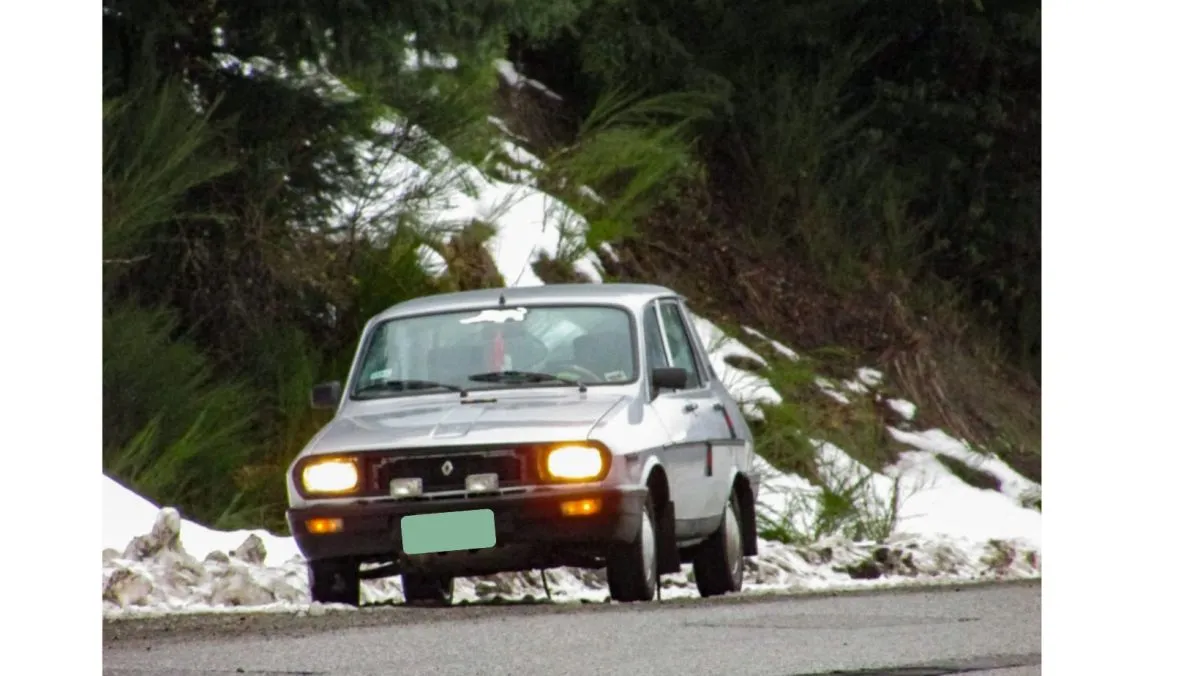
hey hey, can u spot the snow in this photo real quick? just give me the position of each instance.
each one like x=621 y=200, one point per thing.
x=528 y=222
x=499 y=124
x=431 y=261
x=939 y=502
x=905 y=408
x=162 y=571
x=749 y=389
x=870 y=377
x=930 y=442
x=415 y=60
x=509 y=72
x=827 y=386
x=779 y=347
x=127 y=515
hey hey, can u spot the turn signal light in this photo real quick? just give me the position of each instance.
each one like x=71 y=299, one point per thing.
x=581 y=507
x=324 y=526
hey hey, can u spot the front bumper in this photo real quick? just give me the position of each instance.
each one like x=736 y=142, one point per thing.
x=530 y=529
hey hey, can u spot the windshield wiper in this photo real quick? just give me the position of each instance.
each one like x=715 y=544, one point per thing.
x=522 y=377
x=407 y=385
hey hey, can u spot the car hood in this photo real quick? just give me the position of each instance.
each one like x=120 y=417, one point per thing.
x=449 y=422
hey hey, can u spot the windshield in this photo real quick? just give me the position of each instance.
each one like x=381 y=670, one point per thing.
x=535 y=346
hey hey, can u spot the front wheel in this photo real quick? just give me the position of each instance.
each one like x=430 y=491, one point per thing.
x=428 y=589
x=334 y=581
x=719 y=564
x=633 y=567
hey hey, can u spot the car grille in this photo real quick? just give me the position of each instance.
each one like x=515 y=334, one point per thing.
x=431 y=469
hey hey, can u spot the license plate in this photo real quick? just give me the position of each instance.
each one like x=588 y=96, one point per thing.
x=448 y=532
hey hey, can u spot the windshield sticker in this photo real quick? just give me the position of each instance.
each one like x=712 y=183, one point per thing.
x=380 y=375
x=615 y=376
x=497 y=316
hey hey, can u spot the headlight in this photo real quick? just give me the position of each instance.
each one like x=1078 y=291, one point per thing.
x=330 y=476
x=575 y=463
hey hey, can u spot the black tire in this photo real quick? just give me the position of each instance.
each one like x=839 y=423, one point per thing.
x=334 y=581
x=633 y=568
x=428 y=590
x=719 y=564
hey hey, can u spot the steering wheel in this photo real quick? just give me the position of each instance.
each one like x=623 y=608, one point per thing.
x=560 y=368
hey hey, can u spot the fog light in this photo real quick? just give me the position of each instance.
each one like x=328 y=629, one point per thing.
x=581 y=507
x=405 y=488
x=324 y=526
x=483 y=482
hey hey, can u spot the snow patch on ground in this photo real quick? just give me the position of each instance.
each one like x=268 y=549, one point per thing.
x=520 y=165
x=982 y=510
x=514 y=79
x=161 y=571
x=939 y=502
x=923 y=496
x=828 y=387
x=870 y=377
x=905 y=408
x=528 y=222
x=779 y=347
x=127 y=515
x=749 y=389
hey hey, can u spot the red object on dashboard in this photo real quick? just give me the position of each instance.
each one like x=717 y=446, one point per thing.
x=498 y=352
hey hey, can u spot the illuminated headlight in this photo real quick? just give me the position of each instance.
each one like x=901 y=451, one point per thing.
x=575 y=462
x=330 y=476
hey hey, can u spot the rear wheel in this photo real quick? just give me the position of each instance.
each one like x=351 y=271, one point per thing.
x=334 y=581
x=633 y=567
x=428 y=589
x=719 y=564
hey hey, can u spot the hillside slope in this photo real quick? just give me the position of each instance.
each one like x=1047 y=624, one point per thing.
x=838 y=514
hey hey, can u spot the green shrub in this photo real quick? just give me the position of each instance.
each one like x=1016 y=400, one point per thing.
x=171 y=431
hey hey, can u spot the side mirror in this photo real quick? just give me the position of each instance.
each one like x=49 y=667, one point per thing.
x=672 y=378
x=326 y=395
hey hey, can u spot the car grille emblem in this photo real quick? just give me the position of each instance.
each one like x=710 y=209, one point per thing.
x=447 y=468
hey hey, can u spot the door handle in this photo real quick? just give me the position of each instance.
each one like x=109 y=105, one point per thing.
x=690 y=407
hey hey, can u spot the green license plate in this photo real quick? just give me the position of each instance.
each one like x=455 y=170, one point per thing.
x=448 y=532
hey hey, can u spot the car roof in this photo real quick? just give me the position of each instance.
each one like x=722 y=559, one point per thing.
x=630 y=295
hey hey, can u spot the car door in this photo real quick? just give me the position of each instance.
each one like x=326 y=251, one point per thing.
x=688 y=414
x=725 y=428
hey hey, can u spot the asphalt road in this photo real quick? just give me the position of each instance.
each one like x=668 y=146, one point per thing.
x=981 y=630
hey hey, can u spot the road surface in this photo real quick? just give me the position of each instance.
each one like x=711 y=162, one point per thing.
x=981 y=630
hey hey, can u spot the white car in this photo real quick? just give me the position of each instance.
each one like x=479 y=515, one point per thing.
x=525 y=428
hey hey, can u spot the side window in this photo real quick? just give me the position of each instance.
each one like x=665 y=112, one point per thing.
x=682 y=354
x=377 y=356
x=705 y=363
x=656 y=354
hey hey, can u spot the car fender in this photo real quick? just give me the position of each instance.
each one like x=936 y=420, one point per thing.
x=743 y=464
x=645 y=464
x=634 y=434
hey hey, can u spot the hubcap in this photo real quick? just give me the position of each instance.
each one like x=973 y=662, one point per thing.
x=733 y=541
x=649 y=565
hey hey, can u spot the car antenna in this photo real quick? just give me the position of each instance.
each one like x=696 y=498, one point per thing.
x=503 y=302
